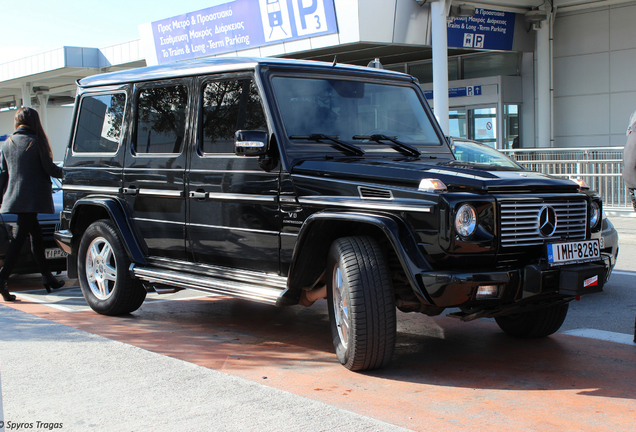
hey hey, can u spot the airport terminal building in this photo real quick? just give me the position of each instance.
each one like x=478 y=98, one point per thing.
x=513 y=73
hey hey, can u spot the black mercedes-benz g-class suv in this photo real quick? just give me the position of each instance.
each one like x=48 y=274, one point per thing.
x=286 y=181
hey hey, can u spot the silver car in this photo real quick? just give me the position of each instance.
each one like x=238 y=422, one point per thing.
x=481 y=155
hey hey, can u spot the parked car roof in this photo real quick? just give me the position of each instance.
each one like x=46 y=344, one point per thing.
x=466 y=150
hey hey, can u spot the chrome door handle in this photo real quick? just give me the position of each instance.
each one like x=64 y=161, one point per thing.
x=198 y=195
x=130 y=190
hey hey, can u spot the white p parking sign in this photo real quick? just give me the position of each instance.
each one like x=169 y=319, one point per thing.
x=309 y=16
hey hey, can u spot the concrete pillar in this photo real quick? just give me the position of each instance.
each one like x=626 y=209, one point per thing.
x=544 y=85
x=439 y=28
x=43 y=100
x=26 y=94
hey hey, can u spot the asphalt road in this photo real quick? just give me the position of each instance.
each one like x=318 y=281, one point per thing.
x=612 y=310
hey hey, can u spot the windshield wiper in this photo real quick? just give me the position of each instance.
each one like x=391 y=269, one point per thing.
x=353 y=149
x=405 y=149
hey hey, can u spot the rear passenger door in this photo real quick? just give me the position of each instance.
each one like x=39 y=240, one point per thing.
x=154 y=168
x=233 y=214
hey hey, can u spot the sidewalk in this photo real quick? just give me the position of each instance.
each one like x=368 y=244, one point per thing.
x=54 y=377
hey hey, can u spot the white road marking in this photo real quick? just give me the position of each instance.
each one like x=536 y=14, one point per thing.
x=35 y=299
x=621 y=338
x=624 y=272
x=54 y=299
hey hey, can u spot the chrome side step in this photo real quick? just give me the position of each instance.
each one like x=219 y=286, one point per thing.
x=249 y=291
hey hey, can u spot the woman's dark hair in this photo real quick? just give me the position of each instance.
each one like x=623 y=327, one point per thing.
x=30 y=118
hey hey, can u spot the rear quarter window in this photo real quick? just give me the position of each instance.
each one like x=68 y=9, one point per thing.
x=99 y=125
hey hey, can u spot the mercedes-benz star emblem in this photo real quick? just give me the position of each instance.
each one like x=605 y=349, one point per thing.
x=547 y=221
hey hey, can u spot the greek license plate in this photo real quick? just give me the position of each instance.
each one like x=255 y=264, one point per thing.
x=53 y=253
x=572 y=252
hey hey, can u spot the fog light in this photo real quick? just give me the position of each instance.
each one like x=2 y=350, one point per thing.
x=488 y=291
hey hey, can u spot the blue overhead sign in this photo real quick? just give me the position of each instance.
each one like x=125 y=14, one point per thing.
x=239 y=25
x=487 y=29
x=457 y=92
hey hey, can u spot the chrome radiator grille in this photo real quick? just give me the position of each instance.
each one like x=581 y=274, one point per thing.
x=520 y=222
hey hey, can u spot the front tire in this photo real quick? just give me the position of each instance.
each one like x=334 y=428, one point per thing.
x=535 y=324
x=361 y=304
x=103 y=271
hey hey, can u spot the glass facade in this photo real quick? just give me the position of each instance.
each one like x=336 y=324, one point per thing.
x=493 y=123
x=466 y=67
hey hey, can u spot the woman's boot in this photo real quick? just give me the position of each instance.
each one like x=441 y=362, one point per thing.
x=50 y=281
x=4 y=290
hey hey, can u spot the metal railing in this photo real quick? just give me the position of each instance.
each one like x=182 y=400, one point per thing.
x=600 y=167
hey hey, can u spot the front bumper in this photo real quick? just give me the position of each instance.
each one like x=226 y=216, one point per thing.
x=461 y=289
x=64 y=239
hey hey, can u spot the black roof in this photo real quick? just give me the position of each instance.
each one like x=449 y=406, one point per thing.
x=212 y=65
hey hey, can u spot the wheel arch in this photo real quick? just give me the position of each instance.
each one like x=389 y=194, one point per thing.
x=88 y=210
x=309 y=258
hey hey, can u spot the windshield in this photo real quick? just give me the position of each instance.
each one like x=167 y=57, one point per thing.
x=370 y=116
x=480 y=154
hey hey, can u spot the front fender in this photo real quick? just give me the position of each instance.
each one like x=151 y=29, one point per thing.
x=309 y=258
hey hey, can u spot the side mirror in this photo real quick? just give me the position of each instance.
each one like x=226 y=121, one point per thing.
x=250 y=143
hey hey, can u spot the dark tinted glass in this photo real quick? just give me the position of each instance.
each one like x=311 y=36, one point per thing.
x=99 y=126
x=161 y=119
x=424 y=71
x=346 y=108
x=502 y=63
x=228 y=106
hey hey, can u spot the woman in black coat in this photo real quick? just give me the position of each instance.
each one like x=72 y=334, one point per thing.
x=27 y=166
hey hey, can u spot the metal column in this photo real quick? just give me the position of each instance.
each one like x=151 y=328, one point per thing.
x=439 y=28
x=544 y=84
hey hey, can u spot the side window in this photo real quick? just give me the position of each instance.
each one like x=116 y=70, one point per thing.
x=161 y=119
x=99 y=126
x=228 y=106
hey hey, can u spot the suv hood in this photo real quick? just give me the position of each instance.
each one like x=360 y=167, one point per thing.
x=409 y=173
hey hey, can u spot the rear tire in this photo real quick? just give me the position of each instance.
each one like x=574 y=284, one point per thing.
x=534 y=324
x=361 y=304
x=103 y=271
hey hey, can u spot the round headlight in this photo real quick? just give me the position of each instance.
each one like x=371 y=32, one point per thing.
x=466 y=220
x=595 y=217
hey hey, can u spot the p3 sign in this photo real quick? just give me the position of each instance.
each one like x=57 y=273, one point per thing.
x=310 y=16
x=296 y=19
